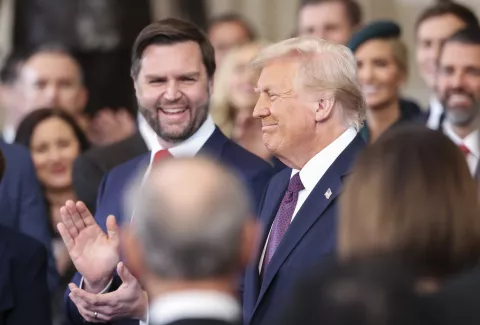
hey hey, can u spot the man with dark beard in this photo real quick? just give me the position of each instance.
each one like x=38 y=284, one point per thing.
x=173 y=64
x=458 y=84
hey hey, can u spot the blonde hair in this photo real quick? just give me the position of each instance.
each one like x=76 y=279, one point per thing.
x=400 y=54
x=221 y=109
x=326 y=66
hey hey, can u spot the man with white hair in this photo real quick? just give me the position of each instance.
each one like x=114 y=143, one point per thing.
x=311 y=107
x=191 y=237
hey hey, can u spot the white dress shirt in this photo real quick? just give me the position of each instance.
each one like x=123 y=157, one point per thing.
x=314 y=170
x=187 y=148
x=471 y=141
x=436 y=111
x=194 y=304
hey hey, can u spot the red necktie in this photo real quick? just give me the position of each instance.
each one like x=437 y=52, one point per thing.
x=283 y=218
x=160 y=155
x=463 y=148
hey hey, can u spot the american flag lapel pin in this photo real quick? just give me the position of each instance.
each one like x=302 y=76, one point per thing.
x=328 y=193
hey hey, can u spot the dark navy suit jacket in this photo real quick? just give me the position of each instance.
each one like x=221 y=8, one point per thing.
x=22 y=203
x=24 y=294
x=254 y=171
x=310 y=240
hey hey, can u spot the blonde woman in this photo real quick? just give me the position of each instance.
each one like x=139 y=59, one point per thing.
x=234 y=98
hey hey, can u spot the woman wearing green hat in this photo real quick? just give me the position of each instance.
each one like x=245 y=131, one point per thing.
x=382 y=71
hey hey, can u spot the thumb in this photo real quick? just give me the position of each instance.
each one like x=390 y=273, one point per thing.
x=124 y=273
x=112 y=227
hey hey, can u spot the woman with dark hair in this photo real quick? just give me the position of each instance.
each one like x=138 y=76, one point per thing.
x=411 y=195
x=54 y=140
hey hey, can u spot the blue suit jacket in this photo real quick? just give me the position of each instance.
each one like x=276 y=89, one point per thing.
x=254 y=170
x=22 y=203
x=309 y=240
x=24 y=295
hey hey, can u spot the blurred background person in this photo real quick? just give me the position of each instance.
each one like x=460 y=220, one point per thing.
x=382 y=60
x=24 y=298
x=433 y=26
x=227 y=31
x=12 y=110
x=234 y=99
x=54 y=140
x=458 y=89
x=51 y=77
x=189 y=268
x=332 y=20
x=418 y=203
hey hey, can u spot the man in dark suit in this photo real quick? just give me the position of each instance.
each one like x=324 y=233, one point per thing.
x=433 y=26
x=173 y=65
x=90 y=167
x=189 y=268
x=24 y=294
x=22 y=204
x=311 y=108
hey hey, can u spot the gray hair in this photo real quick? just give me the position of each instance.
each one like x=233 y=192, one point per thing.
x=189 y=218
x=325 y=67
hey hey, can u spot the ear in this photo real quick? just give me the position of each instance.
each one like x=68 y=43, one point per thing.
x=133 y=252
x=324 y=108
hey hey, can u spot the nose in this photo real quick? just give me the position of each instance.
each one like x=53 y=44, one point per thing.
x=172 y=92
x=54 y=155
x=52 y=96
x=457 y=80
x=261 y=109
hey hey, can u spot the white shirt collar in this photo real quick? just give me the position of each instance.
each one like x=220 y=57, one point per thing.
x=316 y=167
x=194 y=304
x=187 y=148
x=436 y=111
x=471 y=141
x=9 y=134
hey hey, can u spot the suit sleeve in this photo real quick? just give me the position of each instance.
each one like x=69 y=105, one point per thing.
x=86 y=178
x=71 y=309
x=32 y=297
x=33 y=217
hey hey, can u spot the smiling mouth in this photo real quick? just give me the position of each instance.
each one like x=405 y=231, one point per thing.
x=173 y=110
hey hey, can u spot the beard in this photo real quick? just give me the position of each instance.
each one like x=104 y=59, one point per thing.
x=461 y=116
x=151 y=115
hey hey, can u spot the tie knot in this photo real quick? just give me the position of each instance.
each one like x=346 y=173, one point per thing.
x=295 y=185
x=463 y=148
x=160 y=155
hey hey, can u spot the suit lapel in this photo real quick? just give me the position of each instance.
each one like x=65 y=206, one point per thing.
x=309 y=213
x=272 y=202
x=324 y=193
x=214 y=145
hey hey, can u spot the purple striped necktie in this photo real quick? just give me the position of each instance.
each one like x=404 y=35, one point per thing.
x=283 y=218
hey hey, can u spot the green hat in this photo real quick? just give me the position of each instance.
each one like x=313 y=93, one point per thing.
x=374 y=30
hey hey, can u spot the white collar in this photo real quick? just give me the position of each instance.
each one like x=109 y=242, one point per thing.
x=471 y=141
x=436 y=108
x=194 y=304
x=189 y=147
x=316 y=167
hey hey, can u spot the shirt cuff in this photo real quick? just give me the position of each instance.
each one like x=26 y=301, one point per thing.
x=101 y=292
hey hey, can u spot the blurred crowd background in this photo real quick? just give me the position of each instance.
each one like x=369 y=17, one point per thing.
x=66 y=92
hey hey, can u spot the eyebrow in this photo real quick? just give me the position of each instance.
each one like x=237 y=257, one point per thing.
x=183 y=75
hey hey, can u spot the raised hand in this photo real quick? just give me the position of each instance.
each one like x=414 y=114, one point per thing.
x=94 y=253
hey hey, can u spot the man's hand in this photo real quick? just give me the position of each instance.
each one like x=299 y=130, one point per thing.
x=93 y=253
x=128 y=301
